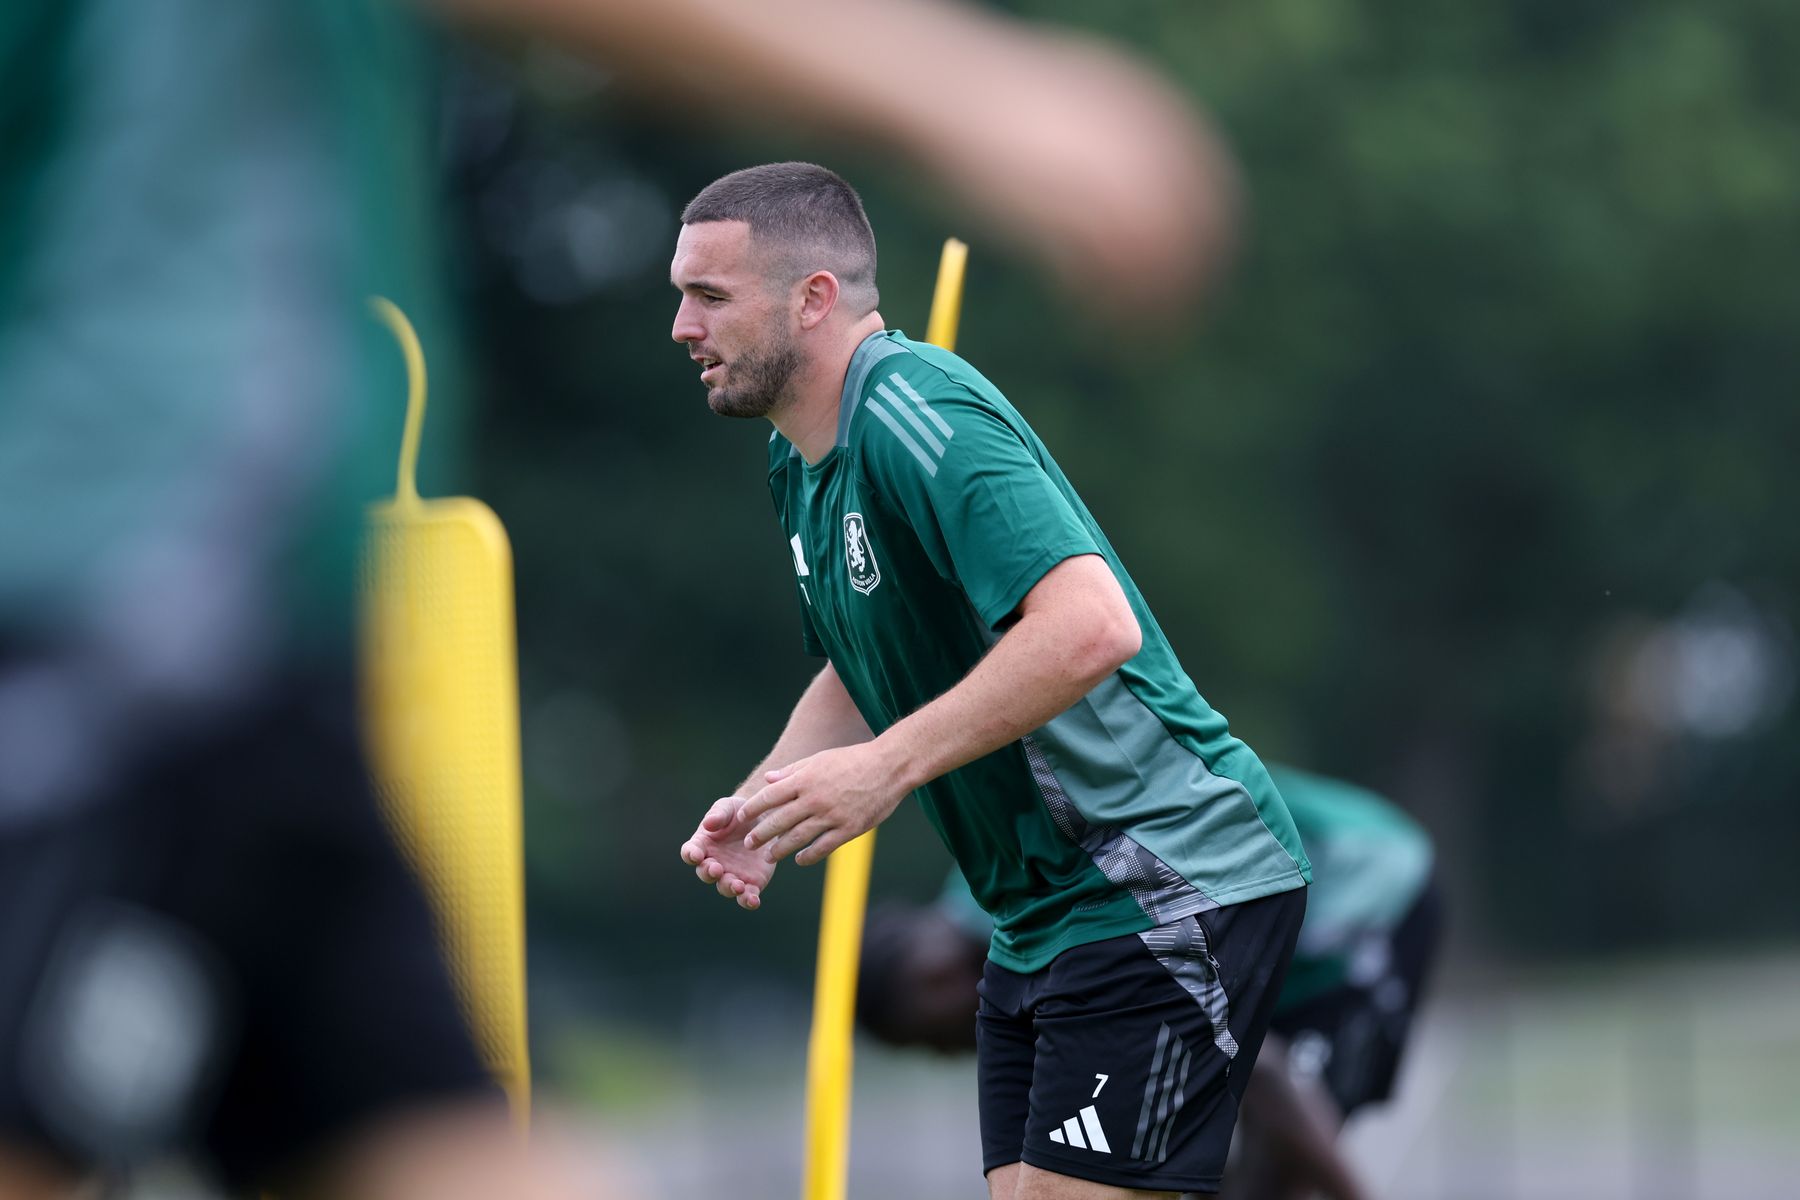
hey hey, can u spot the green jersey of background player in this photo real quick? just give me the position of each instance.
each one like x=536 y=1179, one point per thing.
x=987 y=652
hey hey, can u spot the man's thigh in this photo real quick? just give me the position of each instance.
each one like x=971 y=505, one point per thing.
x=1139 y=1049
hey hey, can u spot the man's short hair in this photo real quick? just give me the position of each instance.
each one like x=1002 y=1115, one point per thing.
x=805 y=216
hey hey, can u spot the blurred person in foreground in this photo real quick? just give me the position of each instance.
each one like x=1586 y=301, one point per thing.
x=987 y=652
x=1372 y=929
x=207 y=942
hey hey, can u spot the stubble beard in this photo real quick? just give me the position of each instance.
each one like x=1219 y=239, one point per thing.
x=759 y=380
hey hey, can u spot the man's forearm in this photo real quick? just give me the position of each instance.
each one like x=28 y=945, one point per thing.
x=1041 y=667
x=824 y=718
x=1022 y=683
x=1075 y=626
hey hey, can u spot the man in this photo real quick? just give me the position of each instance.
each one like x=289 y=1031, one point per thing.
x=1370 y=936
x=206 y=942
x=987 y=650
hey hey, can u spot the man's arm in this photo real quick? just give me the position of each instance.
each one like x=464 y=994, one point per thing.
x=823 y=718
x=1068 y=147
x=1074 y=628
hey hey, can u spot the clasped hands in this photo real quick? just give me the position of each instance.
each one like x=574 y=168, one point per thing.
x=808 y=809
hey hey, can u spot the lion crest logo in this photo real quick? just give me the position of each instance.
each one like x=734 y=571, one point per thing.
x=859 y=555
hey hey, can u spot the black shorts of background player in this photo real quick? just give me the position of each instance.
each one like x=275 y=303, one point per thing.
x=223 y=955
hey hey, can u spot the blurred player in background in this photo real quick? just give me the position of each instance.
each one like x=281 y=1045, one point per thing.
x=1371 y=933
x=206 y=940
x=987 y=651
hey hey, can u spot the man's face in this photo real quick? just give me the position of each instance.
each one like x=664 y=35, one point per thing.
x=733 y=323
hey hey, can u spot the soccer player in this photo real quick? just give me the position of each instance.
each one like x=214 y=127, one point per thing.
x=1341 y=1023
x=986 y=650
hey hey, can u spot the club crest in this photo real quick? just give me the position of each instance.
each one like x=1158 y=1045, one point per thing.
x=859 y=555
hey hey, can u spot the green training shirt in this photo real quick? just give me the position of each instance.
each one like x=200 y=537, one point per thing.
x=1370 y=864
x=914 y=539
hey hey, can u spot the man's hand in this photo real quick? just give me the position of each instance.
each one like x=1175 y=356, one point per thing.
x=719 y=856
x=811 y=807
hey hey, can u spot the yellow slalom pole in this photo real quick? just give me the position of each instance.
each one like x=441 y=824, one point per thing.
x=946 y=300
x=828 y=1055
x=441 y=708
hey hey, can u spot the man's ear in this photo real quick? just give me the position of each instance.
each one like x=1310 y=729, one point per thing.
x=818 y=298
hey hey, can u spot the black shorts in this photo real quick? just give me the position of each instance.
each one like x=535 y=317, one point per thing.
x=225 y=956
x=1351 y=1038
x=1124 y=1060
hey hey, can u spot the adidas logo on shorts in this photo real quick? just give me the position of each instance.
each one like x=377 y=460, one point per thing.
x=1083 y=1134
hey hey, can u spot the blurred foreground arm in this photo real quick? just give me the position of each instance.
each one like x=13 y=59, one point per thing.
x=824 y=718
x=1068 y=148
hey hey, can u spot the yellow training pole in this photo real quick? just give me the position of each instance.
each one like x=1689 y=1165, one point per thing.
x=946 y=300
x=441 y=709
x=828 y=1056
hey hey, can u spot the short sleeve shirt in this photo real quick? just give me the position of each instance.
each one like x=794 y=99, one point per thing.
x=914 y=540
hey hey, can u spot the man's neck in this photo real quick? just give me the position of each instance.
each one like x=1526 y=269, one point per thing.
x=809 y=419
